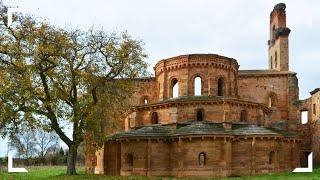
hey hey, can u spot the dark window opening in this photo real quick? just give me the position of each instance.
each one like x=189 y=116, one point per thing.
x=130 y=160
x=154 y=118
x=273 y=32
x=243 y=116
x=199 y=115
x=271 y=157
x=220 y=86
x=202 y=159
x=314 y=109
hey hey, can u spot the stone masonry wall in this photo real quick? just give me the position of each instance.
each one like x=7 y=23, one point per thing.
x=223 y=157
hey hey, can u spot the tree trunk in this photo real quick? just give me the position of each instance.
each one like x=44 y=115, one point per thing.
x=72 y=159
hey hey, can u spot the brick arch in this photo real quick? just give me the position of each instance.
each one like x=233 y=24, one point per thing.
x=221 y=79
x=204 y=84
x=170 y=86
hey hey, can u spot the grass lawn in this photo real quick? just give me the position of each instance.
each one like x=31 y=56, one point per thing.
x=59 y=173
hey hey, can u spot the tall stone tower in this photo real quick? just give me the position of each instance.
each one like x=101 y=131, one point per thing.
x=278 y=43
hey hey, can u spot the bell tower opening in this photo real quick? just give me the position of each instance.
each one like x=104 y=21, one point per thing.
x=278 y=42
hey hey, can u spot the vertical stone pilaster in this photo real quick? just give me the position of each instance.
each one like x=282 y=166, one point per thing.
x=253 y=156
x=279 y=153
x=229 y=83
x=180 y=161
x=227 y=146
x=149 y=152
x=165 y=90
x=225 y=113
x=188 y=79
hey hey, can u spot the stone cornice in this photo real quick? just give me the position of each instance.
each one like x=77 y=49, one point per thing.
x=265 y=73
x=201 y=100
x=282 y=31
x=215 y=137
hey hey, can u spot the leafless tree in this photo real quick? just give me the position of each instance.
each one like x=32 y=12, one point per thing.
x=24 y=143
x=45 y=141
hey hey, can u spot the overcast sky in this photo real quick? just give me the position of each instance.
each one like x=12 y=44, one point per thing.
x=235 y=28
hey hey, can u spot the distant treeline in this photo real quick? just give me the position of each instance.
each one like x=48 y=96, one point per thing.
x=56 y=158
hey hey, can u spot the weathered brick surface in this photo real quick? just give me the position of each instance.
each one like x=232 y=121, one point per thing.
x=180 y=157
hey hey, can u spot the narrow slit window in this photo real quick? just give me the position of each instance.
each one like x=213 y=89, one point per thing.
x=202 y=159
x=154 y=118
x=199 y=115
x=220 y=87
x=271 y=157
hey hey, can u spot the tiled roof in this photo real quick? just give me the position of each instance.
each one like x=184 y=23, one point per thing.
x=201 y=128
x=146 y=131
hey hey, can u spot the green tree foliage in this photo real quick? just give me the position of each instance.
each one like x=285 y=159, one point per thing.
x=50 y=77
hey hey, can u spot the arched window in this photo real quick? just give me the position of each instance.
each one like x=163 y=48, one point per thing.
x=276 y=60
x=271 y=157
x=271 y=62
x=175 y=88
x=130 y=160
x=199 y=115
x=197 y=86
x=270 y=101
x=243 y=116
x=202 y=159
x=154 y=118
x=220 y=87
x=144 y=100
